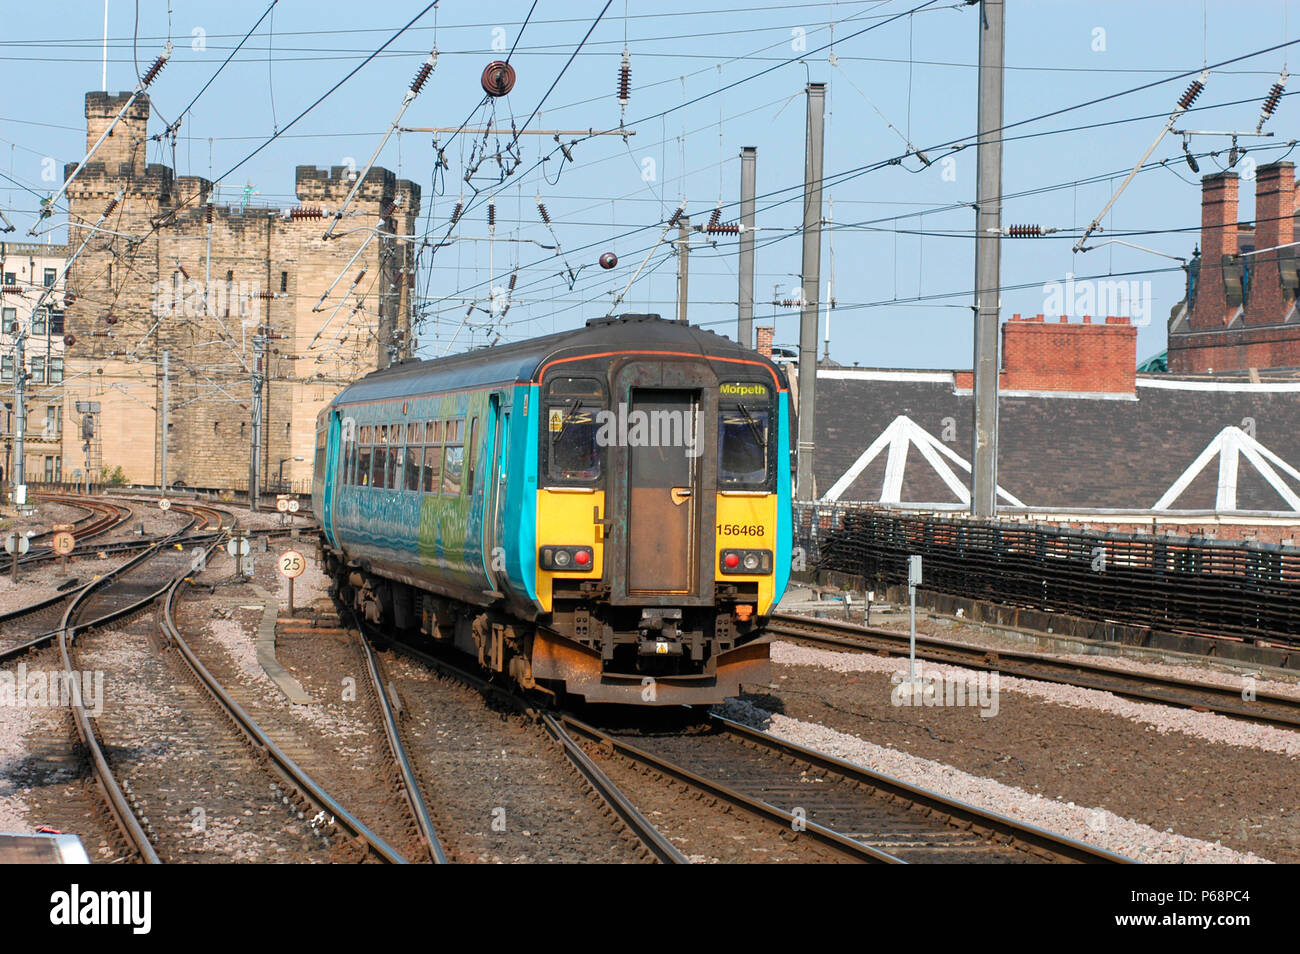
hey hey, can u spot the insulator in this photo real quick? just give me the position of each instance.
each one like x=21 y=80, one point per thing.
x=676 y=215
x=421 y=77
x=470 y=310
x=714 y=219
x=154 y=70
x=1025 y=231
x=624 y=80
x=541 y=208
x=723 y=228
x=514 y=277
x=209 y=212
x=492 y=214
x=306 y=213
x=108 y=209
x=608 y=260
x=1274 y=96
x=181 y=269
x=360 y=275
x=498 y=78
x=1190 y=94
x=455 y=213
x=389 y=209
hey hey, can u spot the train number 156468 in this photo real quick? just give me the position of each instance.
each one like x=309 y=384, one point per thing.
x=741 y=530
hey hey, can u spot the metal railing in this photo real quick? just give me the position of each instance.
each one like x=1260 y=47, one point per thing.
x=1244 y=590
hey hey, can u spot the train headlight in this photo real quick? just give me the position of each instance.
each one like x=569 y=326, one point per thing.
x=567 y=559
x=748 y=562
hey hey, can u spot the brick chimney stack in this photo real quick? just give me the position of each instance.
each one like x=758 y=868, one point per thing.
x=1270 y=296
x=765 y=341
x=1214 y=304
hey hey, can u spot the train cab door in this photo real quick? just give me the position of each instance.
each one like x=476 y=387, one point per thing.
x=332 y=453
x=495 y=492
x=667 y=549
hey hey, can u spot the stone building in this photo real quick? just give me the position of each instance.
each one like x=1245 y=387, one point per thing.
x=26 y=271
x=174 y=276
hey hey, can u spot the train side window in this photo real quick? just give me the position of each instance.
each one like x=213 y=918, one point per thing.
x=472 y=450
x=435 y=432
x=363 y=465
x=431 y=474
x=396 y=460
x=413 y=458
x=453 y=463
x=415 y=432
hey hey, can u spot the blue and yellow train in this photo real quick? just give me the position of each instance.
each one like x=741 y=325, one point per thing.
x=604 y=513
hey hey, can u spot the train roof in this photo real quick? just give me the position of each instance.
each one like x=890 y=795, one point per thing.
x=519 y=361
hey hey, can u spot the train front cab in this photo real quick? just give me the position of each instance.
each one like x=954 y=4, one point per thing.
x=663 y=526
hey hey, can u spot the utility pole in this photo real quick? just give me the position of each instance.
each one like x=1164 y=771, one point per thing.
x=166 y=397
x=745 y=322
x=988 y=249
x=255 y=458
x=683 y=265
x=20 y=414
x=812 y=257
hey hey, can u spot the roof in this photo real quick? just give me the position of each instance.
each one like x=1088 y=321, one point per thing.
x=520 y=361
x=1061 y=450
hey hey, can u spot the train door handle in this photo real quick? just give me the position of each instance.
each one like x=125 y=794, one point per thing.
x=596 y=519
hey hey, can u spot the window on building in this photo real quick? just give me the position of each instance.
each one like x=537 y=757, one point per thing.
x=284 y=281
x=52 y=430
x=38 y=321
x=8 y=320
x=56 y=370
x=11 y=278
x=7 y=368
x=38 y=369
x=56 y=322
x=50 y=275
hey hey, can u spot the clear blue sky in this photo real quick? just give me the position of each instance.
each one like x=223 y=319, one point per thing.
x=919 y=71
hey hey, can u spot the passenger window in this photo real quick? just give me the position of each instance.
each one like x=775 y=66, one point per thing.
x=363 y=467
x=432 y=473
x=413 y=456
x=451 y=471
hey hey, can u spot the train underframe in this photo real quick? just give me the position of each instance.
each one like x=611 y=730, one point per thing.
x=626 y=655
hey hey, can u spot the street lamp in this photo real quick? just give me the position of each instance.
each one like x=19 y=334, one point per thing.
x=280 y=482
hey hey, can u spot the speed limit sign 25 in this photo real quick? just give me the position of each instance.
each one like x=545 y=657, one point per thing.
x=291 y=564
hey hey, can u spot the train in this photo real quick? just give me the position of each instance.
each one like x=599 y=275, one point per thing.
x=602 y=514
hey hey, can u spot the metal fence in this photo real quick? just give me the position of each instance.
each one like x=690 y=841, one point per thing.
x=1245 y=590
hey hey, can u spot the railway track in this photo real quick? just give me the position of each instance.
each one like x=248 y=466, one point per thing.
x=229 y=767
x=847 y=811
x=614 y=801
x=1263 y=708
x=863 y=815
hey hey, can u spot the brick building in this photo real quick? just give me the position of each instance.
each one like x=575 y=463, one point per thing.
x=173 y=271
x=26 y=271
x=1240 y=309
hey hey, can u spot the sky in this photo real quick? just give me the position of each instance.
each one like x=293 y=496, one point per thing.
x=898 y=244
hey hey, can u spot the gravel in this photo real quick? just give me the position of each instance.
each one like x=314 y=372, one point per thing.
x=1093 y=825
x=1202 y=725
